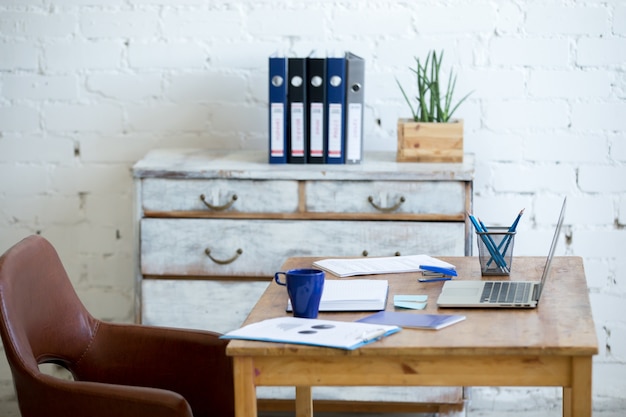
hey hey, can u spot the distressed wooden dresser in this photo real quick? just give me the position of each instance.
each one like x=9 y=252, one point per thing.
x=213 y=226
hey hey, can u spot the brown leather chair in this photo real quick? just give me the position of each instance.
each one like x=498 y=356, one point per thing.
x=118 y=369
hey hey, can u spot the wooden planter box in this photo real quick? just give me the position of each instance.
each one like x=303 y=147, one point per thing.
x=430 y=142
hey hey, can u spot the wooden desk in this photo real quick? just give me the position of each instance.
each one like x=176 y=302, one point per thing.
x=552 y=345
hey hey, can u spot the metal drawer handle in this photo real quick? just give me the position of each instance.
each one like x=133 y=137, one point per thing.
x=222 y=207
x=207 y=251
x=366 y=253
x=386 y=209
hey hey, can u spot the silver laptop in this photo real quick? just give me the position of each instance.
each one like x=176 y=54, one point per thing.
x=507 y=294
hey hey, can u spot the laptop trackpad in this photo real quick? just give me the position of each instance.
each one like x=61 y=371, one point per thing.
x=462 y=292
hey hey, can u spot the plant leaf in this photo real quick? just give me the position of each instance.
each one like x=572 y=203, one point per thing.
x=458 y=104
x=407 y=99
x=431 y=104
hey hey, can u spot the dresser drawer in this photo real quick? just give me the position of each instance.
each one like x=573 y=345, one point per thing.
x=240 y=247
x=247 y=196
x=219 y=306
x=421 y=197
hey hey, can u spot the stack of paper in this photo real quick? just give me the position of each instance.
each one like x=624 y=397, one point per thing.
x=353 y=295
x=383 y=265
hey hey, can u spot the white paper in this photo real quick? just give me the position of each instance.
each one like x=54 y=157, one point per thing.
x=345 y=267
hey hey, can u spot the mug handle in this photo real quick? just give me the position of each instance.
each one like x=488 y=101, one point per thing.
x=276 y=278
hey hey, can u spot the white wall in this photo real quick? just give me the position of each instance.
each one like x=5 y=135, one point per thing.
x=87 y=87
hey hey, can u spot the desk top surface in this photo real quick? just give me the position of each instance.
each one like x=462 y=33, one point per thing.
x=562 y=324
x=205 y=164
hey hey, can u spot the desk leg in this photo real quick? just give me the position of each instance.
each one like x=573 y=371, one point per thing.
x=245 y=391
x=567 y=402
x=304 y=402
x=580 y=394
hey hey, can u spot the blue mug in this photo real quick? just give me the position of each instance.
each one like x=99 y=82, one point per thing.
x=304 y=286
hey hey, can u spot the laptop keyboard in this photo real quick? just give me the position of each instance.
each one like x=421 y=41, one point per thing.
x=505 y=292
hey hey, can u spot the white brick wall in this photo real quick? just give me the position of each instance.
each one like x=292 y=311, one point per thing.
x=87 y=87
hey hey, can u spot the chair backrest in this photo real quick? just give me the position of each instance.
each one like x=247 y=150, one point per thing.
x=42 y=320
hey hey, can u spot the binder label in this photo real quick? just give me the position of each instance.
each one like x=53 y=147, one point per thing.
x=334 y=130
x=297 y=129
x=277 y=133
x=317 y=129
x=354 y=131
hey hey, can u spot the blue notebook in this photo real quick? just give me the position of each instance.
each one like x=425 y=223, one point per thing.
x=413 y=320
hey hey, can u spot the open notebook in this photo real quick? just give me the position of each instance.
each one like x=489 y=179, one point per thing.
x=347 y=335
x=353 y=295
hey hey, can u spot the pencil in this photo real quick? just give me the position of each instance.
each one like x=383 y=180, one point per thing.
x=507 y=239
x=493 y=251
x=499 y=256
x=513 y=227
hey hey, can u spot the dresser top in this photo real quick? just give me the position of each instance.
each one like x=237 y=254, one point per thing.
x=202 y=163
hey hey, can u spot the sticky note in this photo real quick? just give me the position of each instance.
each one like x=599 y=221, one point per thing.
x=414 y=302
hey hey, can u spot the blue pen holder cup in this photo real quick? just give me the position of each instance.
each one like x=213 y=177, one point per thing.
x=495 y=251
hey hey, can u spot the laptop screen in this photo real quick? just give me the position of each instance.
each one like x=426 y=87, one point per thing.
x=555 y=239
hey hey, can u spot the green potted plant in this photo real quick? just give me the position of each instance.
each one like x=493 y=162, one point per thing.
x=431 y=135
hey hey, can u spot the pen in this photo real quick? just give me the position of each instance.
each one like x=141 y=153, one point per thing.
x=434 y=279
x=373 y=335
